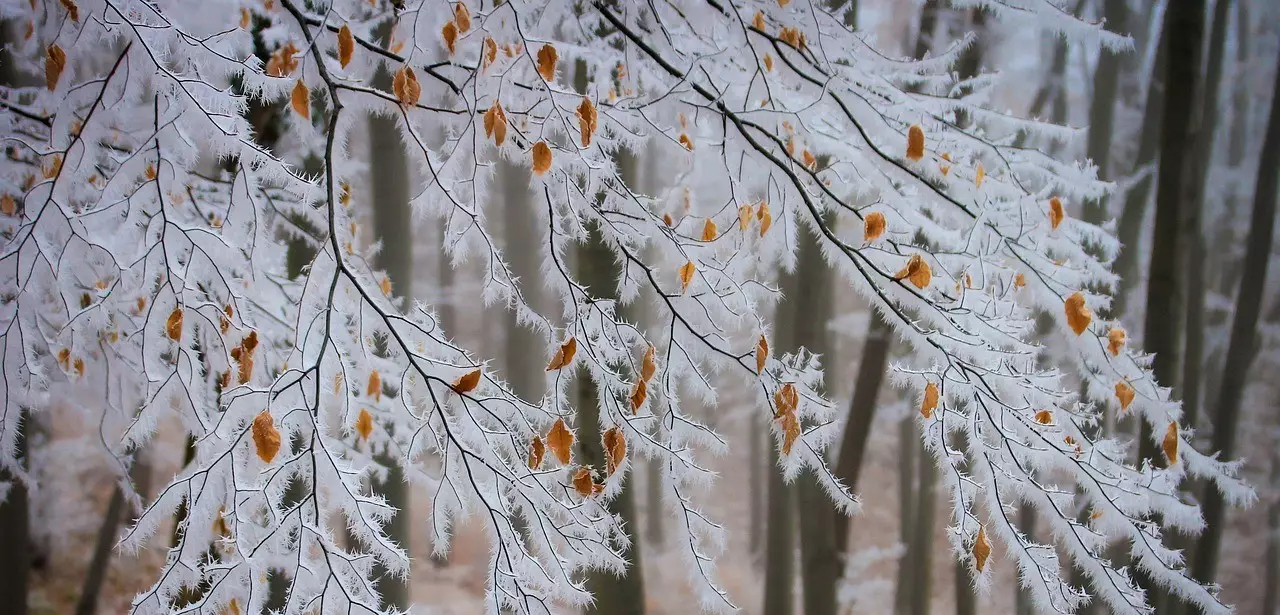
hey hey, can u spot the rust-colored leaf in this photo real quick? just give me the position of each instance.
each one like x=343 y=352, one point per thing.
x=945 y=168
x=466 y=382
x=1170 y=443
x=979 y=176
x=374 y=387
x=787 y=399
x=766 y=219
x=1115 y=341
x=560 y=441
x=1044 y=417
x=873 y=226
x=917 y=272
x=283 y=61
x=587 y=118
x=173 y=325
x=981 y=549
x=744 y=217
x=490 y=51
x=8 y=205
x=1078 y=314
x=686 y=141
x=364 y=424
x=405 y=86
x=648 y=365
x=758 y=20
x=449 y=33
x=547 y=58
x=224 y=322
x=462 y=15
x=762 y=354
x=541 y=158
x=64 y=359
x=930 y=401
x=810 y=161
x=495 y=123
x=1124 y=393
x=1019 y=281
x=639 y=393
x=300 y=99
x=73 y=11
x=768 y=62
x=537 y=450
x=584 y=484
x=54 y=61
x=266 y=439
x=790 y=431
x=915 y=142
x=346 y=46
x=615 y=449
x=686 y=275
x=709 y=231
x=564 y=355
x=1056 y=213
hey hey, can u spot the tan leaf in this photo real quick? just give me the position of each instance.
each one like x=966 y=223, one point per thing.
x=768 y=62
x=564 y=355
x=300 y=99
x=790 y=431
x=744 y=217
x=405 y=86
x=809 y=160
x=346 y=46
x=873 y=226
x=450 y=35
x=648 y=366
x=1044 y=417
x=930 y=402
x=584 y=484
x=758 y=20
x=1078 y=314
x=265 y=437
x=490 y=51
x=541 y=158
x=537 y=450
x=1170 y=443
x=686 y=275
x=762 y=354
x=917 y=272
x=1019 y=281
x=979 y=175
x=709 y=230
x=54 y=61
x=1115 y=341
x=587 y=118
x=639 y=393
x=547 y=58
x=173 y=325
x=364 y=424
x=8 y=205
x=466 y=382
x=1124 y=393
x=73 y=11
x=981 y=549
x=374 y=388
x=560 y=441
x=462 y=16
x=615 y=449
x=224 y=323
x=666 y=219
x=766 y=219
x=495 y=123
x=915 y=142
x=686 y=141
x=1056 y=213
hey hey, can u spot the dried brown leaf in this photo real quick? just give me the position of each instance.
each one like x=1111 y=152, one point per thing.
x=1124 y=393
x=547 y=58
x=300 y=99
x=930 y=401
x=1170 y=443
x=466 y=382
x=462 y=15
x=639 y=393
x=374 y=387
x=587 y=118
x=541 y=158
x=686 y=275
x=1044 y=417
x=560 y=441
x=54 y=61
x=709 y=231
x=762 y=354
x=873 y=226
x=449 y=34
x=364 y=424
x=1078 y=314
x=648 y=365
x=346 y=46
x=537 y=450
x=915 y=142
x=917 y=272
x=564 y=355
x=1115 y=341
x=405 y=86
x=981 y=549
x=173 y=325
x=1056 y=213
x=615 y=449
x=266 y=439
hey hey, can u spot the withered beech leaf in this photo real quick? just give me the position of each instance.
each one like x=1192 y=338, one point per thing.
x=709 y=230
x=1124 y=393
x=541 y=158
x=173 y=324
x=364 y=424
x=547 y=58
x=1044 y=417
x=648 y=365
x=790 y=431
x=405 y=86
x=300 y=99
x=915 y=142
x=266 y=439
x=917 y=272
x=564 y=355
x=979 y=175
x=346 y=45
x=374 y=388
x=762 y=354
x=1056 y=213
x=537 y=450
x=615 y=449
x=450 y=35
x=744 y=217
x=54 y=61
x=584 y=484
x=1078 y=314
x=981 y=549
x=639 y=392
x=930 y=402
x=1170 y=444
x=462 y=15
x=466 y=382
x=873 y=226
x=560 y=441
x=587 y=118
x=686 y=275
x=1115 y=341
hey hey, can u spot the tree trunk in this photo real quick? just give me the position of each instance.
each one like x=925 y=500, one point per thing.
x=1106 y=80
x=780 y=541
x=1271 y=582
x=908 y=451
x=1240 y=349
x=862 y=409
x=524 y=347
x=15 y=519
x=922 y=533
x=966 y=595
x=1027 y=521
x=96 y=574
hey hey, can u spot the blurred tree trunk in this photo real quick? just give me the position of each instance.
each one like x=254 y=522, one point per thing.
x=780 y=541
x=656 y=519
x=862 y=409
x=96 y=574
x=15 y=519
x=1244 y=336
x=1106 y=81
x=966 y=595
x=1271 y=580
x=524 y=348
x=921 y=547
x=909 y=449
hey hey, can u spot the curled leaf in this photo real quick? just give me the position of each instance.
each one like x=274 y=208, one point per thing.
x=462 y=16
x=873 y=226
x=346 y=46
x=587 y=118
x=1170 y=443
x=709 y=230
x=495 y=123
x=686 y=141
x=54 y=61
x=266 y=439
x=930 y=402
x=547 y=58
x=915 y=142
x=686 y=275
x=648 y=366
x=405 y=86
x=364 y=424
x=449 y=33
x=787 y=399
x=1078 y=314
x=490 y=51
x=173 y=325
x=917 y=272
x=466 y=382
x=1044 y=417
x=584 y=484
x=541 y=158
x=766 y=219
x=537 y=450
x=639 y=393
x=560 y=441
x=1056 y=213
x=615 y=449
x=762 y=354
x=564 y=355
x=300 y=99
x=981 y=549
x=744 y=217
x=374 y=388
x=1124 y=393
x=790 y=431
x=1115 y=341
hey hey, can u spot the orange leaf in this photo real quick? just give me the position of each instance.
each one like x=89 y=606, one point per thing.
x=790 y=431
x=873 y=226
x=744 y=217
x=666 y=219
x=300 y=98
x=55 y=60
x=265 y=437
x=639 y=392
x=364 y=424
x=405 y=86
x=450 y=35
x=981 y=549
x=917 y=272
x=173 y=325
x=762 y=354
x=490 y=51
x=686 y=275
x=768 y=62
x=1019 y=281
x=537 y=450
x=686 y=141
x=73 y=11
x=560 y=440
x=564 y=355
x=766 y=219
x=1044 y=417
x=709 y=230
x=915 y=142
x=587 y=118
x=64 y=359
x=809 y=160
x=583 y=483
x=979 y=175
x=466 y=382
x=224 y=323
x=648 y=366
x=547 y=58
x=1078 y=314
x=495 y=123
x=541 y=158
x=1124 y=393
x=1115 y=341
x=615 y=449
x=346 y=46
x=930 y=402
x=1170 y=444
x=758 y=20
x=1056 y=213
x=787 y=399
x=374 y=388
x=463 y=16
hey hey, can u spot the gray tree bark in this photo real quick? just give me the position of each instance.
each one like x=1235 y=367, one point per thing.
x=780 y=540
x=1241 y=347
x=15 y=552
x=921 y=547
x=862 y=409
x=909 y=450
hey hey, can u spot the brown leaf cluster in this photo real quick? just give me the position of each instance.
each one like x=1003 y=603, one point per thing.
x=917 y=272
x=224 y=321
x=495 y=123
x=873 y=226
x=405 y=86
x=282 y=62
x=541 y=158
x=564 y=355
x=54 y=61
x=266 y=439
x=1078 y=314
